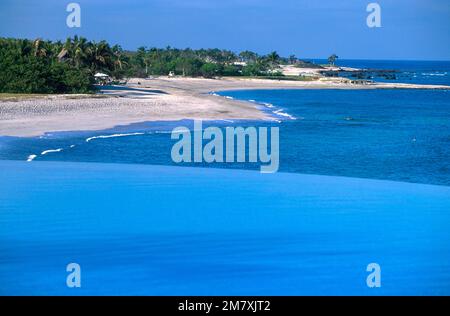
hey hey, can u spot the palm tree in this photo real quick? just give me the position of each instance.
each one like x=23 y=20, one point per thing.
x=332 y=59
x=64 y=52
x=143 y=57
x=248 y=56
x=119 y=57
x=56 y=47
x=273 y=57
x=24 y=47
x=80 y=50
x=76 y=51
x=99 y=56
x=292 y=59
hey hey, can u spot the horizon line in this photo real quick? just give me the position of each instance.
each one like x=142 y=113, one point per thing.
x=236 y=51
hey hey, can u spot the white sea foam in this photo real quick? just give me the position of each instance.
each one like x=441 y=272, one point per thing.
x=433 y=74
x=163 y=132
x=71 y=146
x=45 y=152
x=31 y=158
x=230 y=98
x=284 y=114
x=112 y=136
x=278 y=112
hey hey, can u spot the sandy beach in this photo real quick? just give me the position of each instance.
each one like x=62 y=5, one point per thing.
x=158 y=99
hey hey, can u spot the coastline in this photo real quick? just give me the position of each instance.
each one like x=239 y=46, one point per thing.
x=158 y=99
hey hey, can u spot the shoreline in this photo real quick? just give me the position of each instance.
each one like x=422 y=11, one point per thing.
x=158 y=99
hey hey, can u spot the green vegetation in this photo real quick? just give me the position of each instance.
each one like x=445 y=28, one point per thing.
x=332 y=59
x=33 y=67
x=46 y=67
x=207 y=63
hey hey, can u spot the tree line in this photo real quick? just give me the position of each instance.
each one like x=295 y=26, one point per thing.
x=38 y=66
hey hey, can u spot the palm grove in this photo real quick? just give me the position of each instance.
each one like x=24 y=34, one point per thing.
x=38 y=66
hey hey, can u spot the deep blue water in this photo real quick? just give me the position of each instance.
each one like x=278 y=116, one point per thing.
x=384 y=134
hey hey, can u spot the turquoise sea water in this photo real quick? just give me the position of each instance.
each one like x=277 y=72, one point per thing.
x=138 y=224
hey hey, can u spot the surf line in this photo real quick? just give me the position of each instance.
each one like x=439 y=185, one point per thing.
x=45 y=152
x=111 y=136
x=31 y=158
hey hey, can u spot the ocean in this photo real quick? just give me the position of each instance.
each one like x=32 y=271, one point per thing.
x=407 y=71
x=364 y=177
x=400 y=135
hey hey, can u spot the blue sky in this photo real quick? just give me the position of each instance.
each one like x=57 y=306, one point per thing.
x=411 y=29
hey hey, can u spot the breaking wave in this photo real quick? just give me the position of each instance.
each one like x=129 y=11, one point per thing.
x=45 y=152
x=112 y=136
x=31 y=158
